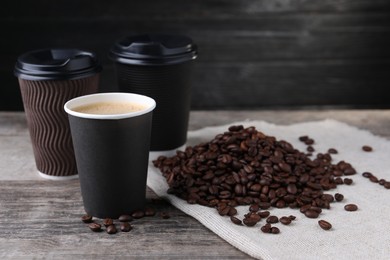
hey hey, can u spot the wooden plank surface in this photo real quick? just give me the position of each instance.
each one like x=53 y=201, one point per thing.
x=41 y=219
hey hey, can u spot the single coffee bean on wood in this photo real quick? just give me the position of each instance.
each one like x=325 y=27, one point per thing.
x=86 y=219
x=325 y=225
x=149 y=212
x=95 y=227
x=125 y=226
x=138 y=214
x=125 y=218
x=107 y=222
x=111 y=229
x=351 y=207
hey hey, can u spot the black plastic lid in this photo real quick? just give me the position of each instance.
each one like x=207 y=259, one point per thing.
x=153 y=49
x=56 y=64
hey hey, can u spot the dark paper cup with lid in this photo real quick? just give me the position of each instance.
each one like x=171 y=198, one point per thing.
x=48 y=78
x=159 y=66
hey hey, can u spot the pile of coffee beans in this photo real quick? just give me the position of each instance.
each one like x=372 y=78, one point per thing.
x=243 y=166
x=96 y=224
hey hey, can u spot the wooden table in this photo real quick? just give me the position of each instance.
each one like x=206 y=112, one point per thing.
x=41 y=218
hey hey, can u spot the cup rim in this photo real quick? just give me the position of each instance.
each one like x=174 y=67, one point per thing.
x=109 y=96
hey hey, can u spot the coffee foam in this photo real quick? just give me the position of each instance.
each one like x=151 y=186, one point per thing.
x=109 y=108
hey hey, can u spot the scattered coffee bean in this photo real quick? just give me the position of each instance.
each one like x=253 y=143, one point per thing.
x=138 y=214
x=275 y=230
x=373 y=179
x=309 y=141
x=338 y=197
x=264 y=214
x=303 y=138
x=125 y=218
x=292 y=217
x=111 y=229
x=125 y=226
x=235 y=220
x=86 y=219
x=165 y=215
x=254 y=208
x=367 y=148
x=387 y=185
x=107 y=222
x=311 y=213
x=266 y=228
x=250 y=222
x=325 y=225
x=272 y=219
x=149 y=212
x=310 y=148
x=382 y=182
x=332 y=151
x=367 y=174
x=285 y=220
x=351 y=207
x=348 y=181
x=95 y=227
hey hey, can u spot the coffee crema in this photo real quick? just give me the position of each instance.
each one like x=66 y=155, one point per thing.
x=109 y=108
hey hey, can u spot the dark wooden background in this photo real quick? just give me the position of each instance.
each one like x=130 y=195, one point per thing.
x=252 y=53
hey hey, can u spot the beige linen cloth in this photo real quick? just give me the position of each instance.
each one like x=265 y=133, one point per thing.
x=363 y=234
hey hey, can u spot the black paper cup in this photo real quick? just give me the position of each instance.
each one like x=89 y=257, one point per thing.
x=48 y=78
x=112 y=154
x=159 y=66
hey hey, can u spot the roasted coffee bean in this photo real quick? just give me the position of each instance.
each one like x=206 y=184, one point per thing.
x=165 y=215
x=95 y=227
x=111 y=229
x=292 y=217
x=373 y=179
x=150 y=212
x=303 y=138
x=275 y=230
x=367 y=148
x=387 y=185
x=338 y=197
x=332 y=151
x=254 y=208
x=351 y=207
x=250 y=222
x=107 y=222
x=138 y=214
x=382 y=182
x=325 y=225
x=125 y=218
x=266 y=228
x=348 y=181
x=125 y=227
x=86 y=219
x=310 y=149
x=264 y=214
x=272 y=219
x=311 y=213
x=285 y=220
x=367 y=174
x=235 y=220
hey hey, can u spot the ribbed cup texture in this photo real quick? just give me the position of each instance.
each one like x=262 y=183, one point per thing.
x=48 y=122
x=170 y=87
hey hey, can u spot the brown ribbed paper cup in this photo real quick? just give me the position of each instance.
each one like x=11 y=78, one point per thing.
x=48 y=78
